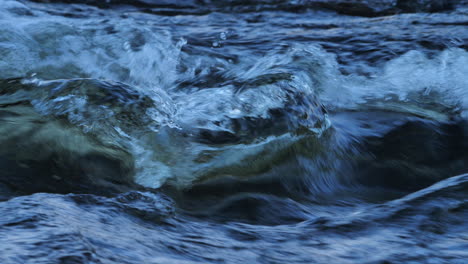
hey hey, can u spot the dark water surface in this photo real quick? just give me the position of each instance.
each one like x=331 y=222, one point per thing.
x=233 y=131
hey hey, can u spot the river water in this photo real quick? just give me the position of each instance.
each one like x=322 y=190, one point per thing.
x=233 y=131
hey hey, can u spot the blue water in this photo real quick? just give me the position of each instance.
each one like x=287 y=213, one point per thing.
x=233 y=131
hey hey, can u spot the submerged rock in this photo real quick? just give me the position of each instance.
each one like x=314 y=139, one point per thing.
x=55 y=137
x=42 y=154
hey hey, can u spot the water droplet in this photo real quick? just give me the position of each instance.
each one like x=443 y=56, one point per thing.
x=127 y=46
x=223 y=36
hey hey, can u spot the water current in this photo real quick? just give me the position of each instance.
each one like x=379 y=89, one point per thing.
x=233 y=131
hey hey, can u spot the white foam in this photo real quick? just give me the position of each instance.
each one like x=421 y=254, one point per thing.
x=412 y=79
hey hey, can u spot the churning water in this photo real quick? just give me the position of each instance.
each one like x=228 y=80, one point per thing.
x=233 y=131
